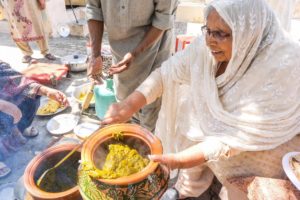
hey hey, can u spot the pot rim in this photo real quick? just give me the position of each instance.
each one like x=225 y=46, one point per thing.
x=90 y=146
x=31 y=168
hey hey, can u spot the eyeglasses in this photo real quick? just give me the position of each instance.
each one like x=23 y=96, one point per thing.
x=218 y=35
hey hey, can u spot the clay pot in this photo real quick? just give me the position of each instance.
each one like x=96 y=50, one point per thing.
x=150 y=183
x=43 y=161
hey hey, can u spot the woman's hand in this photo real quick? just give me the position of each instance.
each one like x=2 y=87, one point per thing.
x=187 y=158
x=123 y=111
x=94 y=70
x=172 y=161
x=11 y=109
x=122 y=65
x=118 y=113
x=54 y=94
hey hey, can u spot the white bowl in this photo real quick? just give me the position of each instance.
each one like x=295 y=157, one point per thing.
x=85 y=129
x=62 y=124
x=82 y=89
x=288 y=168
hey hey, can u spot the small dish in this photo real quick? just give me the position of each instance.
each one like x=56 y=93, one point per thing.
x=85 y=129
x=79 y=92
x=288 y=169
x=43 y=102
x=62 y=124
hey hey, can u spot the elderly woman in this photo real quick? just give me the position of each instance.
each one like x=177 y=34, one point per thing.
x=230 y=101
x=19 y=101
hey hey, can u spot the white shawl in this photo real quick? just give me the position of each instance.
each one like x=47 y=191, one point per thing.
x=254 y=105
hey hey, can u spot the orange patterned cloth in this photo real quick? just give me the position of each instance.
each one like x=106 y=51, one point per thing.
x=25 y=19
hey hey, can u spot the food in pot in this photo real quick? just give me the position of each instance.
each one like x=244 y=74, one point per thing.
x=62 y=178
x=120 y=161
x=50 y=107
x=82 y=96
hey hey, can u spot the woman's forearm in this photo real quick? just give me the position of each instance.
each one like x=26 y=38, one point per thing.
x=191 y=157
x=42 y=91
x=187 y=158
x=135 y=101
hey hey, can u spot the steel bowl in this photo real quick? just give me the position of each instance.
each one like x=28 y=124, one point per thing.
x=76 y=62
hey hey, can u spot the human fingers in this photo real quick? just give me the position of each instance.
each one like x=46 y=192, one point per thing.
x=112 y=114
x=96 y=78
x=109 y=120
x=116 y=70
x=168 y=160
x=94 y=67
x=64 y=99
x=122 y=65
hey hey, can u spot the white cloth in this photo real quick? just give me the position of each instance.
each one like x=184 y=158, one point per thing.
x=284 y=11
x=253 y=106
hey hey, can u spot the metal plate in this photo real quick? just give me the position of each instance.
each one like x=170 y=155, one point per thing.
x=85 y=129
x=44 y=101
x=62 y=124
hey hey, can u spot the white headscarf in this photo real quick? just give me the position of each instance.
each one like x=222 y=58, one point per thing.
x=254 y=105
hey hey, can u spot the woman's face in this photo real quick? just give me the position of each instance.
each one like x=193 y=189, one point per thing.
x=218 y=37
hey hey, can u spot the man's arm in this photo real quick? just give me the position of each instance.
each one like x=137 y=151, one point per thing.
x=95 y=19
x=96 y=29
x=94 y=70
x=163 y=19
x=150 y=38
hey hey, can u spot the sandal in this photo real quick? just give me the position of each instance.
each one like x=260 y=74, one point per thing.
x=29 y=59
x=30 y=132
x=26 y=59
x=4 y=170
x=49 y=56
x=170 y=194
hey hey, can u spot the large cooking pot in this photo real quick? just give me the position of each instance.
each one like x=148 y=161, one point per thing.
x=76 y=62
x=44 y=161
x=150 y=183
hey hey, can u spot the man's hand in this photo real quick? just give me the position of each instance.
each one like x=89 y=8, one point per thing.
x=94 y=70
x=42 y=4
x=122 y=65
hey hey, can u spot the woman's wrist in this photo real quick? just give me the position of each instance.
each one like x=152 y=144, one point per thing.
x=42 y=91
x=135 y=101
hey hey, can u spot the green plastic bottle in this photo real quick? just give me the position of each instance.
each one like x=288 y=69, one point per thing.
x=104 y=97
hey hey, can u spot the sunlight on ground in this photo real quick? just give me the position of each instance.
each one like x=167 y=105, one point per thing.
x=13 y=56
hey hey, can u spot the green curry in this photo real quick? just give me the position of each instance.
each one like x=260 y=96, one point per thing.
x=120 y=161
